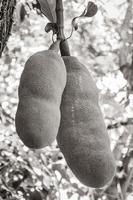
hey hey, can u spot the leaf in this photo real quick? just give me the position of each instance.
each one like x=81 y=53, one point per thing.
x=23 y=13
x=90 y=11
x=62 y=170
x=48 y=9
x=51 y=27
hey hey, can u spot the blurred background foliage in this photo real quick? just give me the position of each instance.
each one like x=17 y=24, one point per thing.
x=104 y=43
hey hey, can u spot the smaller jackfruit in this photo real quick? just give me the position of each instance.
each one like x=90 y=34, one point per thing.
x=41 y=86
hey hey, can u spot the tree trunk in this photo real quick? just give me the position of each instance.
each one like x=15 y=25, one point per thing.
x=6 y=21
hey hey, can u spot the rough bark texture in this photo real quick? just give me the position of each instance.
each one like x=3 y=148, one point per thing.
x=6 y=20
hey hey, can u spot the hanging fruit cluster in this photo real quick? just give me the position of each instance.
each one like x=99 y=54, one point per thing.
x=58 y=99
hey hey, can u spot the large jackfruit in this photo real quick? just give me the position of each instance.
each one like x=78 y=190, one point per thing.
x=82 y=136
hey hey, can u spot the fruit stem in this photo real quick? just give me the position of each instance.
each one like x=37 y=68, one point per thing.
x=55 y=46
x=60 y=24
x=64 y=48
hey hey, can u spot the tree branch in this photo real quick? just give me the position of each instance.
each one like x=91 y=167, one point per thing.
x=123 y=31
x=6 y=21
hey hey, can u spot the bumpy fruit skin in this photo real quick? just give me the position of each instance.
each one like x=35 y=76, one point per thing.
x=41 y=86
x=82 y=135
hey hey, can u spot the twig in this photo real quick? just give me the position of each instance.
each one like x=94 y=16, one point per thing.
x=125 y=186
x=120 y=191
x=121 y=123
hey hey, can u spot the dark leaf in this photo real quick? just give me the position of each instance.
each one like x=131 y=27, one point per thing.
x=91 y=10
x=48 y=9
x=51 y=27
x=22 y=13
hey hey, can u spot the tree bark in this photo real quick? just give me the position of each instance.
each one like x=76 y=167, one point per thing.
x=6 y=21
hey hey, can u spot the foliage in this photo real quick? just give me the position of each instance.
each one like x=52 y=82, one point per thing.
x=103 y=44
